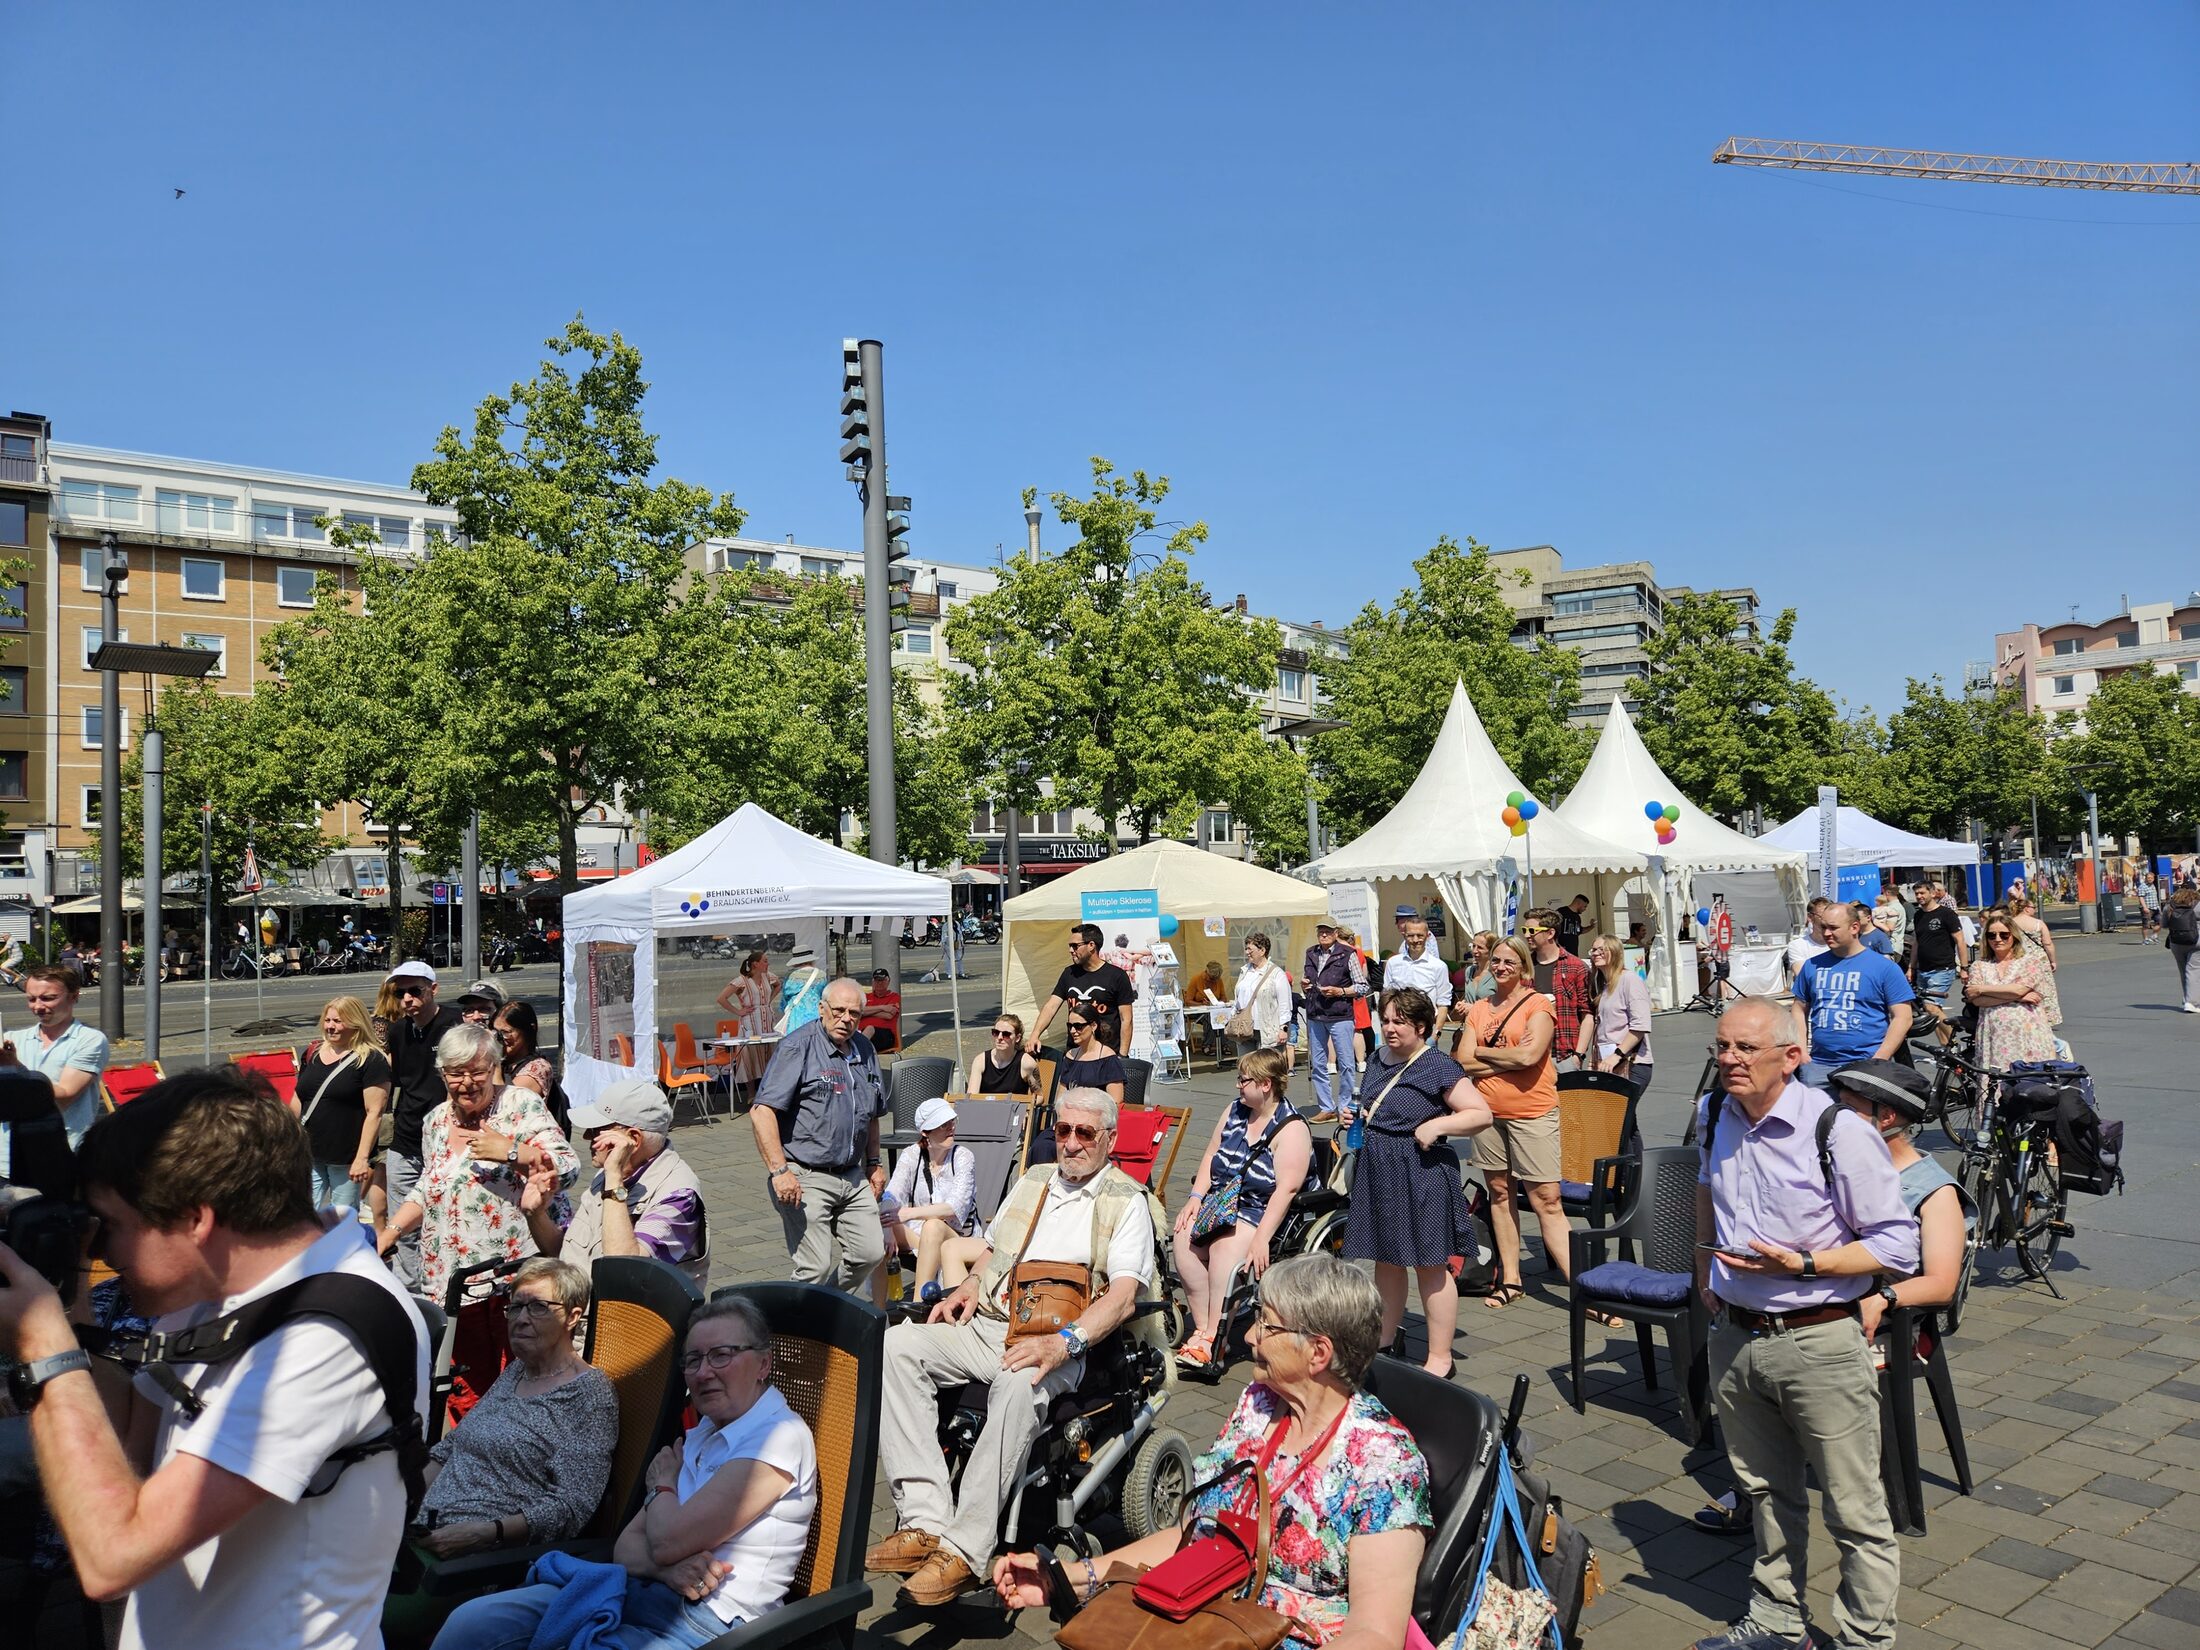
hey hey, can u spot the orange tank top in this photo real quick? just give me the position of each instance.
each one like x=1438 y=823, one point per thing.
x=1532 y=1090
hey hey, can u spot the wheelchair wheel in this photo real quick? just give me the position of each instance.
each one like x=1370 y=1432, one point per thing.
x=1153 y=1490
x=1327 y=1236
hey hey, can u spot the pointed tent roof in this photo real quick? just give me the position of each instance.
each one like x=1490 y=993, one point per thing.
x=1860 y=839
x=1191 y=882
x=1622 y=776
x=1448 y=821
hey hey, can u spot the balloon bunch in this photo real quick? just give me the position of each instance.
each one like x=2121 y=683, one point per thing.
x=1519 y=808
x=1664 y=815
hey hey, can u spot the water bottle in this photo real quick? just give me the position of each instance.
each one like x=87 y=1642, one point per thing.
x=894 y=1287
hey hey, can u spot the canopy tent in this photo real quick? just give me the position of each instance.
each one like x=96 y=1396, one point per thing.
x=132 y=904
x=1860 y=839
x=1610 y=800
x=1446 y=831
x=1191 y=885
x=746 y=876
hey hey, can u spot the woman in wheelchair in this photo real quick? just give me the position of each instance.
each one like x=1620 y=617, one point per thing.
x=1350 y=1488
x=1255 y=1164
x=721 y=1535
x=932 y=1198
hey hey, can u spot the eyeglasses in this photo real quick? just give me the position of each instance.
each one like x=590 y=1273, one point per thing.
x=1083 y=1133
x=1258 y=1331
x=527 y=1306
x=718 y=1357
x=1243 y=1079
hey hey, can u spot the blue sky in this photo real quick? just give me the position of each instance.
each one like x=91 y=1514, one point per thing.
x=1353 y=277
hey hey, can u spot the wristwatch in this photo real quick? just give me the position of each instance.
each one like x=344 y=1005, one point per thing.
x=1810 y=1265
x=1072 y=1334
x=615 y=1194
x=26 y=1382
x=1887 y=1294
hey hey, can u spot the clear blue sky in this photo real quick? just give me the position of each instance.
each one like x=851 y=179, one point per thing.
x=1353 y=277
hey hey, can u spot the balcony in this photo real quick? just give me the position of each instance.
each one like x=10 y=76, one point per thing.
x=21 y=468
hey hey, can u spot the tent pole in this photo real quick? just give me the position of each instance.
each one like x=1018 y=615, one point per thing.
x=955 y=999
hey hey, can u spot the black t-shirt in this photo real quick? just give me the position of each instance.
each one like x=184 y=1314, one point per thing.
x=1096 y=1073
x=1104 y=990
x=1568 y=931
x=336 y=1098
x=1937 y=931
x=413 y=1072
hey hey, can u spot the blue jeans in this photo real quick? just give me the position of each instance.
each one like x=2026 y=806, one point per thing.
x=1336 y=1037
x=333 y=1187
x=657 y=1618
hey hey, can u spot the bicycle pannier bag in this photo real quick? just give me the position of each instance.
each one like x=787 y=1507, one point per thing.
x=2089 y=1150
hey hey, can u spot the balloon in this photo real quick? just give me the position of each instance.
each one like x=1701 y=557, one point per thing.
x=1510 y=816
x=1665 y=838
x=1703 y=913
x=1168 y=926
x=1520 y=828
x=1513 y=799
x=1673 y=812
x=1653 y=810
x=1530 y=808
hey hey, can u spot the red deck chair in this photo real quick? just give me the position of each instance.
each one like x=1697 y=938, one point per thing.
x=125 y=1083
x=278 y=1065
x=1140 y=1133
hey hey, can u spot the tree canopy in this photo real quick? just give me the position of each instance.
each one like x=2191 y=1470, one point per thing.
x=1952 y=759
x=2140 y=754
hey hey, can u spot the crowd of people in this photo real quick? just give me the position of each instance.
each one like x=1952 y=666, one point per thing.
x=426 y=1140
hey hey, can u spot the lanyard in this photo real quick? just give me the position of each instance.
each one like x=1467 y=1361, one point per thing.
x=1277 y=1492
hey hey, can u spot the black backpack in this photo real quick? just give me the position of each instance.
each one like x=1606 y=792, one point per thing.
x=383 y=1325
x=2090 y=1152
x=2181 y=923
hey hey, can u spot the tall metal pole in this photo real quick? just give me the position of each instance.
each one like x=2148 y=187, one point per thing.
x=2098 y=911
x=469 y=867
x=878 y=643
x=151 y=750
x=206 y=896
x=112 y=973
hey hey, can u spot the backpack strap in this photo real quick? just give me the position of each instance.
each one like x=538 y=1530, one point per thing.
x=385 y=1331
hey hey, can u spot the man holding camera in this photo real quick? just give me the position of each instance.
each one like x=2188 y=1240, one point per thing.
x=241 y=1499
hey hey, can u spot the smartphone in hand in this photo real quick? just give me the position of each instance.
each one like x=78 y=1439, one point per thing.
x=1728 y=1251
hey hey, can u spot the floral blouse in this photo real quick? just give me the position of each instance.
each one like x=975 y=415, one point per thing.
x=472 y=1209
x=1371 y=1478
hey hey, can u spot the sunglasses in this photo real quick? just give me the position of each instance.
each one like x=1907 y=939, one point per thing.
x=998 y=1032
x=1083 y=1133
x=409 y=988
x=1080 y=1025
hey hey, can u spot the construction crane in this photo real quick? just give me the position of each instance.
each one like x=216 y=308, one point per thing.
x=1861 y=160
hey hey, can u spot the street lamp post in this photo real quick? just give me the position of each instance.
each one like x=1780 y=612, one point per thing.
x=114 y=569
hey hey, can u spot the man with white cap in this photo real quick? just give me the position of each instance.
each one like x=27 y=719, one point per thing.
x=416 y=1085
x=645 y=1200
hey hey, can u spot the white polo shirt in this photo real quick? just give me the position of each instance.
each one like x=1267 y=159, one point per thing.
x=297 y=1570
x=765 y=1555
x=1424 y=973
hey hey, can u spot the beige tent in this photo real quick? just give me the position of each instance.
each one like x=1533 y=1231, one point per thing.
x=1194 y=886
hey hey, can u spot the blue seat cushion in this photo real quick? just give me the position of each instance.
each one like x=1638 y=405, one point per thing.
x=1574 y=1191
x=1633 y=1284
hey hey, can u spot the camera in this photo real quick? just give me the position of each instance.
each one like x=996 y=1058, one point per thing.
x=41 y=1218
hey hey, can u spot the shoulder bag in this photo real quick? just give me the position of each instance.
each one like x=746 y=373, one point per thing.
x=1240 y=1024
x=1356 y=1135
x=1218 y=1210
x=1044 y=1296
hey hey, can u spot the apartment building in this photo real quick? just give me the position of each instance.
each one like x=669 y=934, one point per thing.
x=2058 y=666
x=1607 y=614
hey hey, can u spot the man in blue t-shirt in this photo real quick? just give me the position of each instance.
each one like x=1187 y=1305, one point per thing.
x=1855 y=1003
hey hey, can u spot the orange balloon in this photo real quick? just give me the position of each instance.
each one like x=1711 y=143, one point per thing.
x=1510 y=816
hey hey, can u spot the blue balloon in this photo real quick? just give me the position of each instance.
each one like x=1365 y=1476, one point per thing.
x=1530 y=808
x=1168 y=926
x=1703 y=913
x=1653 y=810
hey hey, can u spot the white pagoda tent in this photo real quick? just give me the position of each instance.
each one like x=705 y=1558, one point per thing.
x=1445 y=835
x=1860 y=839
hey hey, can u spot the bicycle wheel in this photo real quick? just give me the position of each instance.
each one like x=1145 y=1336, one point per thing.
x=2039 y=1218
x=1981 y=1177
x=1959 y=1105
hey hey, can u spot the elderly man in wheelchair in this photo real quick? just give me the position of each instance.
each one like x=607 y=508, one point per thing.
x=1072 y=1252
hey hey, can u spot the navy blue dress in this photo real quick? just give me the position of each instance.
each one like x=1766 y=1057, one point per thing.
x=1409 y=1206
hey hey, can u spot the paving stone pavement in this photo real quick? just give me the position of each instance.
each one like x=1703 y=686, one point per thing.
x=2082 y=1415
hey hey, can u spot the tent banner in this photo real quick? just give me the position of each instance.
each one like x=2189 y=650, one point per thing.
x=1858 y=882
x=715 y=908
x=1352 y=907
x=1106 y=905
x=1130 y=923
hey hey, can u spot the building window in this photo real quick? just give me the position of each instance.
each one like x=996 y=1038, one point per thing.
x=447 y=531
x=202 y=579
x=216 y=645
x=94 y=734
x=98 y=501
x=1634 y=631
x=91 y=642
x=2127 y=638
x=15 y=690
x=394 y=532
x=288 y=521
x=914 y=640
x=15 y=524
x=15 y=769
x=981 y=821
x=1218 y=824
x=90 y=561
x=2069 y=644
x=819 y=567
x=294 y=586
x=87 y=805
x=1291 y=684
x=2065 y=686
x=13 y=613
x=195 y=513
x=948 y=589
x=734 y=561
x=2188 y=633
x=2189 y=671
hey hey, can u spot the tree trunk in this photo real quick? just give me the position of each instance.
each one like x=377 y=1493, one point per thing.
x=569 y=851
x=395 y=870
x=1110 y=808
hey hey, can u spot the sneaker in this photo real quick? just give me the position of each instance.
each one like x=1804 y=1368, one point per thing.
x=2192 y=1008
x=1746 y=1635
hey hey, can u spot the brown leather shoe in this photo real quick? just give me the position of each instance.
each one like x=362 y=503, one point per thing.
x=942 y=1579
x=902 y=1553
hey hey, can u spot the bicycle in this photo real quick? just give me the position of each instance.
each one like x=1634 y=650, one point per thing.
x=2010 y=1172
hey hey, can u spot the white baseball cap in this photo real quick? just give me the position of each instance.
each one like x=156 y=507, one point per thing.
x=934 y=1114
x=412 y=969
x=632 y=1104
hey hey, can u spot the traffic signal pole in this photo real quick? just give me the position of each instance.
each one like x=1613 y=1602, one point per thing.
x=863 y=450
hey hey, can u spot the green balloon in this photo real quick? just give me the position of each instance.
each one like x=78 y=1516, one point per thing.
x=1513 y=799
x=1673 y=811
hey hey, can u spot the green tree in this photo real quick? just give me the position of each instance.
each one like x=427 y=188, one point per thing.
x=1390 y=684
x=1728 y=718
x=2140 y=753
x=1106 y=668
x=1955 y=759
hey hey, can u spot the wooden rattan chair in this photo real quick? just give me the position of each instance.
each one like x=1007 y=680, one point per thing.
x=828 y=1362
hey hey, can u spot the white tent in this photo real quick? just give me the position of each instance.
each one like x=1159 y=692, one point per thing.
x=1860 y=839
x=1446 y=830
x=1610 y=799
x=746 y=876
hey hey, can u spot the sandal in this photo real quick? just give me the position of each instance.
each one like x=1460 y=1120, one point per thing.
x=1197 y=1353
x=1725 y=1516
x=1502 y=1295
x=1606 y=1320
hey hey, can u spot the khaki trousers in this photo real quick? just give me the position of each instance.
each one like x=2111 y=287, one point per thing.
x=923 y=1360
x=836 y=1210
x=1809 y=1397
